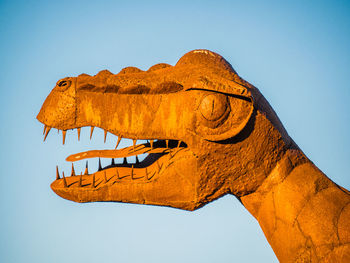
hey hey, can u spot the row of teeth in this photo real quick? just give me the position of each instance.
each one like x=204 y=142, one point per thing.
x=64 y=132
x=114 y=173
x=111 y=175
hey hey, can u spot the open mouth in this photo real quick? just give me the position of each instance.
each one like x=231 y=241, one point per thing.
x=159 y=155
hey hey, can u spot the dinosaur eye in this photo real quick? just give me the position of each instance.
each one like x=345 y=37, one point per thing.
x=213 y=106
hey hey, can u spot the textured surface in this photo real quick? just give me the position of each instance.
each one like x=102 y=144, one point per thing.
x=216 y=135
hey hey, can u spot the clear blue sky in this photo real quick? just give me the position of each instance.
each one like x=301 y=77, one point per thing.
x=295 y=52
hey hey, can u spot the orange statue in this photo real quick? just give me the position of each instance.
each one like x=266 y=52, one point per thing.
x=210 y=134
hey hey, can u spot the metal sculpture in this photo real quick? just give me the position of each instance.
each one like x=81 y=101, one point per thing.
x=210 y=134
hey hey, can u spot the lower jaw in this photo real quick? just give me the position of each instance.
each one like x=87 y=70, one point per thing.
x=140 y=173
x=164 y=185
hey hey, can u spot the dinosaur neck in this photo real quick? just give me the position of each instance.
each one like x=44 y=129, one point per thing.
x=304 y=215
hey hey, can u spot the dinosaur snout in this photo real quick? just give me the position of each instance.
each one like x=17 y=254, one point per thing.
x=58 y=110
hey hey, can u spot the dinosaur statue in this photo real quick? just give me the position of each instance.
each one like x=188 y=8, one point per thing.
x=209 y=133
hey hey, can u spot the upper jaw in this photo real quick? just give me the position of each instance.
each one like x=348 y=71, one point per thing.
x=126 y=116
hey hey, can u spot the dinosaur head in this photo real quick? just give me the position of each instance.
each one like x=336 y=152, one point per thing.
x=209 y=132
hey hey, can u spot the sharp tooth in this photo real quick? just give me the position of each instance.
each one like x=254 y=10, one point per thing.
x=99 y=164
x=81 y=180
x=137 y=159
x=86 y=169
x=93 y=181
x=57 y=173
x=178 y=144
x=132 y=172
x=44 y=129
x=133 y=144
x=117 y=173
x=167 y=143
x=79 y=130
x=73 y=172
x=105 y=135
x=119 y=139
x=64 y=135
x=91 y=131
x=64 y=180
x=151 y=143
x=106 y=181
x=112 y=162
x=125 y=161
x=47 y=130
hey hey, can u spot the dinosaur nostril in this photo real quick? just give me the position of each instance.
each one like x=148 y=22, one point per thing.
x=62 y=83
